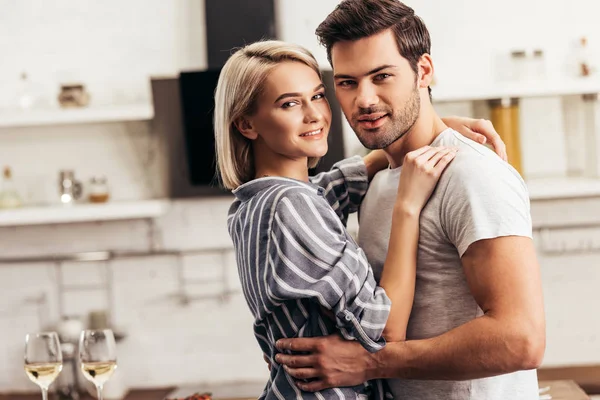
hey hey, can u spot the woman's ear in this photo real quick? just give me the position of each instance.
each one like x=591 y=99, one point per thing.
x=244 y=125
x=425 y=71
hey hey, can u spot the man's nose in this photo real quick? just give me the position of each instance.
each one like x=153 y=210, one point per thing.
x=367 y=96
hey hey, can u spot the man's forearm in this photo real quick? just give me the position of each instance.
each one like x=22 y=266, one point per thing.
x=480 y=348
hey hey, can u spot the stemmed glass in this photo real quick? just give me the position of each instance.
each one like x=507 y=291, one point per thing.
x=98 y=356
x=43 y=359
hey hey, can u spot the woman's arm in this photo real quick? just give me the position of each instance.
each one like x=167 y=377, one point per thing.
x=375 y=161
x=311 y=256
x=344 y=185
x=421 y=170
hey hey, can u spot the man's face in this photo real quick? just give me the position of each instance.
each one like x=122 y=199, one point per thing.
x=376 y=88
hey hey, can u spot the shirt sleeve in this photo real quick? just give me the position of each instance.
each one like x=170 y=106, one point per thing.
x=344 y=186
x=312 y=256
x=486 y=203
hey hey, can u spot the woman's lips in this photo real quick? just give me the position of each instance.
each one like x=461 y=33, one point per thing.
x=314 y=134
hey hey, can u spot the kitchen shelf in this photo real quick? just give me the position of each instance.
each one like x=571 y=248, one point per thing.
x=92 y=114
x=563 y=87
x=563 y=188
x=118 y=210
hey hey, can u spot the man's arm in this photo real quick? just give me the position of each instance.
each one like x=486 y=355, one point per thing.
x=503 y=275
x=504 y=278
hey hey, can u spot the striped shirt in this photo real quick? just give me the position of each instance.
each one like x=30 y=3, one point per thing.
x=295 y=257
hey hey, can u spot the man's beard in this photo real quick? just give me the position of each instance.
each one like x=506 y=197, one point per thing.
x=402 y=121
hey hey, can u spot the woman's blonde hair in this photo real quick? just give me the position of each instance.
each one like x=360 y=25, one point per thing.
x=240 y=84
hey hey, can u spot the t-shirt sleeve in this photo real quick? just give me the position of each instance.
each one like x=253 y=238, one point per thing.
x=484 y=202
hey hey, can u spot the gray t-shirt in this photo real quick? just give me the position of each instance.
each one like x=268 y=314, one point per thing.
x=479 y=196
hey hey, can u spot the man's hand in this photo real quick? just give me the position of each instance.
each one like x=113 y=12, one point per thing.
x=331 y=362
x=479 y=130
x=267 y=361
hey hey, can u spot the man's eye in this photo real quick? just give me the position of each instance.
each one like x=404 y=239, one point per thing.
x=345 y=83
x=288 y=104
x=319 y=96
x=381 y=77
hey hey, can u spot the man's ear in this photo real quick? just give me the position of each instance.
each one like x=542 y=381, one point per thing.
x=244 y=125
x=426 y=70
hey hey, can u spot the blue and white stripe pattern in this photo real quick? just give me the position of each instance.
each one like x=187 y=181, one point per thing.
x=296 y=259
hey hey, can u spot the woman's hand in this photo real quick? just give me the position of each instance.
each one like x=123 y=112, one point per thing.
x=375 y=161
x=421 y=171
x=479 y=130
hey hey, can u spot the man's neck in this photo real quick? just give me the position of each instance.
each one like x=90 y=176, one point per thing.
x=427 y=127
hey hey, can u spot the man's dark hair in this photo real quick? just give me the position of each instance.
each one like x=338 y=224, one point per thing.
x=357 y=19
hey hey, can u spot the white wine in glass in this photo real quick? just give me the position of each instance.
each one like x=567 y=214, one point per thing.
x=98 y=356
x=43 y=359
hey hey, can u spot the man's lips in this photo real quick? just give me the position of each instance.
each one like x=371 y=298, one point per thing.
x=372 y=121
x=371 y=117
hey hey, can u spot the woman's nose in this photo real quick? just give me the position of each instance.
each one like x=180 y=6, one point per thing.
x=312 y=114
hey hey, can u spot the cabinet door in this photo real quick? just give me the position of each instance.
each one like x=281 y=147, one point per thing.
x=234 y=23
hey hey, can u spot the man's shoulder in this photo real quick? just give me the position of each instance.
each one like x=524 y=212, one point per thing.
x=476 y=165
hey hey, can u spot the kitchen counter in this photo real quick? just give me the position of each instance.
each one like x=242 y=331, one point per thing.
x=153 y=394
x=237 y=391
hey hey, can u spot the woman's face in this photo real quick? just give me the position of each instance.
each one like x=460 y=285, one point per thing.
x=293 y=117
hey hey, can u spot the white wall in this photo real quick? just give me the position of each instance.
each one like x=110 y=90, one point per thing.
x=468 y=35
x=113 y=47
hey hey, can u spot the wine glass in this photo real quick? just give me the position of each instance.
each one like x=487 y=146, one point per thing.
x=43 y=359
x=98 y=356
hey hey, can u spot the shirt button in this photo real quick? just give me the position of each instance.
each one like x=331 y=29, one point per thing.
x=348 y=317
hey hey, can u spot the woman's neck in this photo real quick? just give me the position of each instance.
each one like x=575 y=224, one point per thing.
x=279 y=166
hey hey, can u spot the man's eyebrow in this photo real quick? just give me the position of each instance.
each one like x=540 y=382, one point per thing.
x=371 y=72
x=296 y=94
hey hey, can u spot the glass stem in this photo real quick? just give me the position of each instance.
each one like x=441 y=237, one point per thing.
x=44 y=393
x=99 y=390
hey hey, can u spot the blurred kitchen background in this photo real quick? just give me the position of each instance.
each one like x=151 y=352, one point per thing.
x=109 y=218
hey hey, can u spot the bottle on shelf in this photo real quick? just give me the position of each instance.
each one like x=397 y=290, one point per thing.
x=584 y=59
x=26 y=98
x=98 y=190
x=9 y=197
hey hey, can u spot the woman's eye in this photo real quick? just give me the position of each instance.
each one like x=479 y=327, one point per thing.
x=319 y=96
x=288 y=104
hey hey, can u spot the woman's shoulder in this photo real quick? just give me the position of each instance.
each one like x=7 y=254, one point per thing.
x=266 y=194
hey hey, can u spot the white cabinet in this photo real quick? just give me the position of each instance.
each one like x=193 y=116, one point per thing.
x=567 y=237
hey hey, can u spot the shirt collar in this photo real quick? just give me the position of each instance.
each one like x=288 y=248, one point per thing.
x=250 y=189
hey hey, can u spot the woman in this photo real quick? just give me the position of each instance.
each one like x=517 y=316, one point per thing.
x=301 y=272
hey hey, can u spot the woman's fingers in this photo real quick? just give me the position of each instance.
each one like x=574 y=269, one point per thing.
x=433 y=161
x=443 y=162
x=413 y=155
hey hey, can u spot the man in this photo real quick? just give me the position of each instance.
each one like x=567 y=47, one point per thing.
x=477 y=327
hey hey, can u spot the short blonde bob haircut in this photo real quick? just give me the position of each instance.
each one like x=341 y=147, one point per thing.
x=237 y=94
